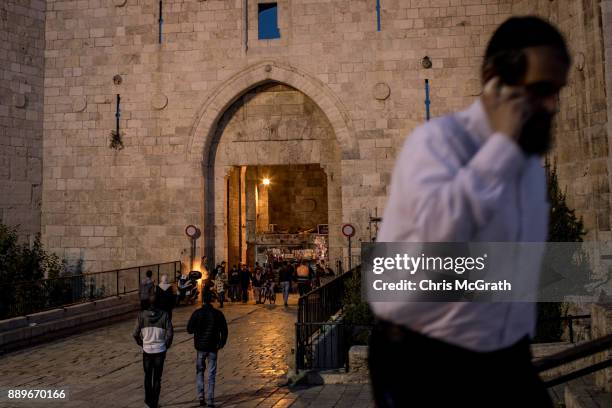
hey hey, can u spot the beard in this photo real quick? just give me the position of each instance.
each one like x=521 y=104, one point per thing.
x=536 y=136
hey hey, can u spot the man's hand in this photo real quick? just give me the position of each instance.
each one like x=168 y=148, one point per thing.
x=507 y=108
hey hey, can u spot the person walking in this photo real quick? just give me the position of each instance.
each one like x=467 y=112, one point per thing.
x=257 y=280
x=245 y=280
x=234 y=284
x=304 y=277
x=204 y=266
x=166 y=298
x=209 y=330
x=146 y=290
x=220 y=267
x=154 y=333
x=285 y=277
x=473 y=176
x=220 y=282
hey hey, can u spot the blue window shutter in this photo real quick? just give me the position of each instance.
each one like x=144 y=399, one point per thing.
x=268 y=21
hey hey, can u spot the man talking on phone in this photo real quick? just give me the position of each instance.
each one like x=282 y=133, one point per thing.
x=474 y=175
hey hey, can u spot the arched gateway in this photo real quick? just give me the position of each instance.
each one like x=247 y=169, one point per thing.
x=271 y=123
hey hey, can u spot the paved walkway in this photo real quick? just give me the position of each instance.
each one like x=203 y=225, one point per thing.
x=103 y=367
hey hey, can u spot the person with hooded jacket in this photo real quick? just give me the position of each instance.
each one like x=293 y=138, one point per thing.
x=209 y=330
x=166 y=298
x=154 y=333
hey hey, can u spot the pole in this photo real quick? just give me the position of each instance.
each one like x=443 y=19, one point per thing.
x=427 y=101
x=245 y=27
x=378 y=15
x=161 y=21
x=350 y=257
x=118 y=113
x=192 y=254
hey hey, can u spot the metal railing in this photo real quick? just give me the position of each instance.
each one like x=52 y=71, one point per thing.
x=567 y=356
x=22 y=298
x=321 y=346
x=321 y=343
x=320 y=304
x=569 y=321
x=566 y=321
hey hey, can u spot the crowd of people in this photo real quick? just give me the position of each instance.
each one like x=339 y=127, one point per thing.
x=154 y=331
x=261 y=283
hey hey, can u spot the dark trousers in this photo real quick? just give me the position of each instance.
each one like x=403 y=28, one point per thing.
x=153 y=367
x=144 y=304
x=303 y=287
x=221 y=297
x=234 y=292
x=244 y=291
x=409 y=369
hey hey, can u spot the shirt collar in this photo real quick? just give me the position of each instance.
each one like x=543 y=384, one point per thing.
x=474 y=119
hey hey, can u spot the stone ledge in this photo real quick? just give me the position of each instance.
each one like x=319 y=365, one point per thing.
x=13 y=323
x=44 y=326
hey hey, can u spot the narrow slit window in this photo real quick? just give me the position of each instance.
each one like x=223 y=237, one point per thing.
x=268 y=21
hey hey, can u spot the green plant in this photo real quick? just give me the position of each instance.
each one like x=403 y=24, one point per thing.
x=563 y=226
x=116 y=140
x=20 y=262
x=357 y=314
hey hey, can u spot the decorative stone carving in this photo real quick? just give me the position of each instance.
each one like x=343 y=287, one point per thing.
x=119 y=3
x=268 y=68
x=117 y=80
x=19 y=100
x=79 y=104
x=159 y=101
x=381 y=91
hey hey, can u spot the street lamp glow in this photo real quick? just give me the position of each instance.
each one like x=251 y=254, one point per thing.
x=266 y=181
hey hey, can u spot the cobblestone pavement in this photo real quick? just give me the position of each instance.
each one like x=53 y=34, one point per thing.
x=103 y=367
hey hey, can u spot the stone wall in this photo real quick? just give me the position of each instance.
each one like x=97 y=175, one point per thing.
x=118 y=208
x=581 y=138
x=602 y=326
x=22 y=41
x=233 y=234
x=297 y=197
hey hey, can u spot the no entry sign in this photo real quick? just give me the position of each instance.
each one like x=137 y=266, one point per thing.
x=348 y=230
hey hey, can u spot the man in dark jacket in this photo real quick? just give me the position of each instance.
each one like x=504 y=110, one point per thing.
x=153 y=332
x=245 y=279
x=285 y=276
x=209 y=330
x=234 y=283
x=146 y=289
x=164 y=296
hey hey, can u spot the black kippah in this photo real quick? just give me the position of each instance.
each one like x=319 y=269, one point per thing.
x=518 y=33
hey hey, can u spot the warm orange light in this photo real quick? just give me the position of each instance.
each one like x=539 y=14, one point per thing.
x=266 y=181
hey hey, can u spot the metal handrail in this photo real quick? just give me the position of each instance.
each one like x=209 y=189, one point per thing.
x=569 y=320
x=88 y=273
x=318 y=305
x=575 y=353
x=27 y=297
x=578 y=373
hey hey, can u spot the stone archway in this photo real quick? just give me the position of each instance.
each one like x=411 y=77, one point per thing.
x=202 y=132
x=275 y=126
x=205 y=137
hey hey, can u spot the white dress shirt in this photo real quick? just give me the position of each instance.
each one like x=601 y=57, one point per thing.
x=457 y=181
